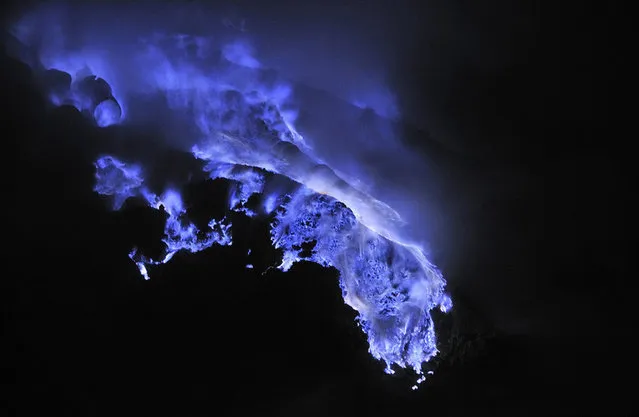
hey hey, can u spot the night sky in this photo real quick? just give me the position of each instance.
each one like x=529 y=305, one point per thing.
x=511 y=106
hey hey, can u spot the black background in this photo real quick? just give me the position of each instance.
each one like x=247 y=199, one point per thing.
x=536 y=258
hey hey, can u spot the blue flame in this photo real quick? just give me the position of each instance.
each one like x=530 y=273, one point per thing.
x=240 y=120
x=121 y=181
x=117 y=179
x=107 y=113
x=391 y=286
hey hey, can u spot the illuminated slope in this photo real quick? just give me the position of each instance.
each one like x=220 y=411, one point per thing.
x=239 y=120
x=389 y=284
x=384 y=281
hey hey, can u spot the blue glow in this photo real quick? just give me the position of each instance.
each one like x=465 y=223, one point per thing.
x=270 y=203
x=240 y=53
x=388 y=285
x=241 y=121
x=117 y=179
x=391 y=285
x=121 y=181
x=107 y=113
x=89 y=93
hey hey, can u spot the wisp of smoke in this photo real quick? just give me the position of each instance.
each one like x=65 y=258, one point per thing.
x=239 y=119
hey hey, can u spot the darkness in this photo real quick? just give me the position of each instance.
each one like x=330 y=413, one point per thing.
x=513 y=104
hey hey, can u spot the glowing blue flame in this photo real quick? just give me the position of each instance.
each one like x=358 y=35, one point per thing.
x=241 y=122
x=107 y=113
x=116 y=178
x=391 y=286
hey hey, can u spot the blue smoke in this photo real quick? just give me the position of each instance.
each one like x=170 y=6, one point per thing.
x=213 y=97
